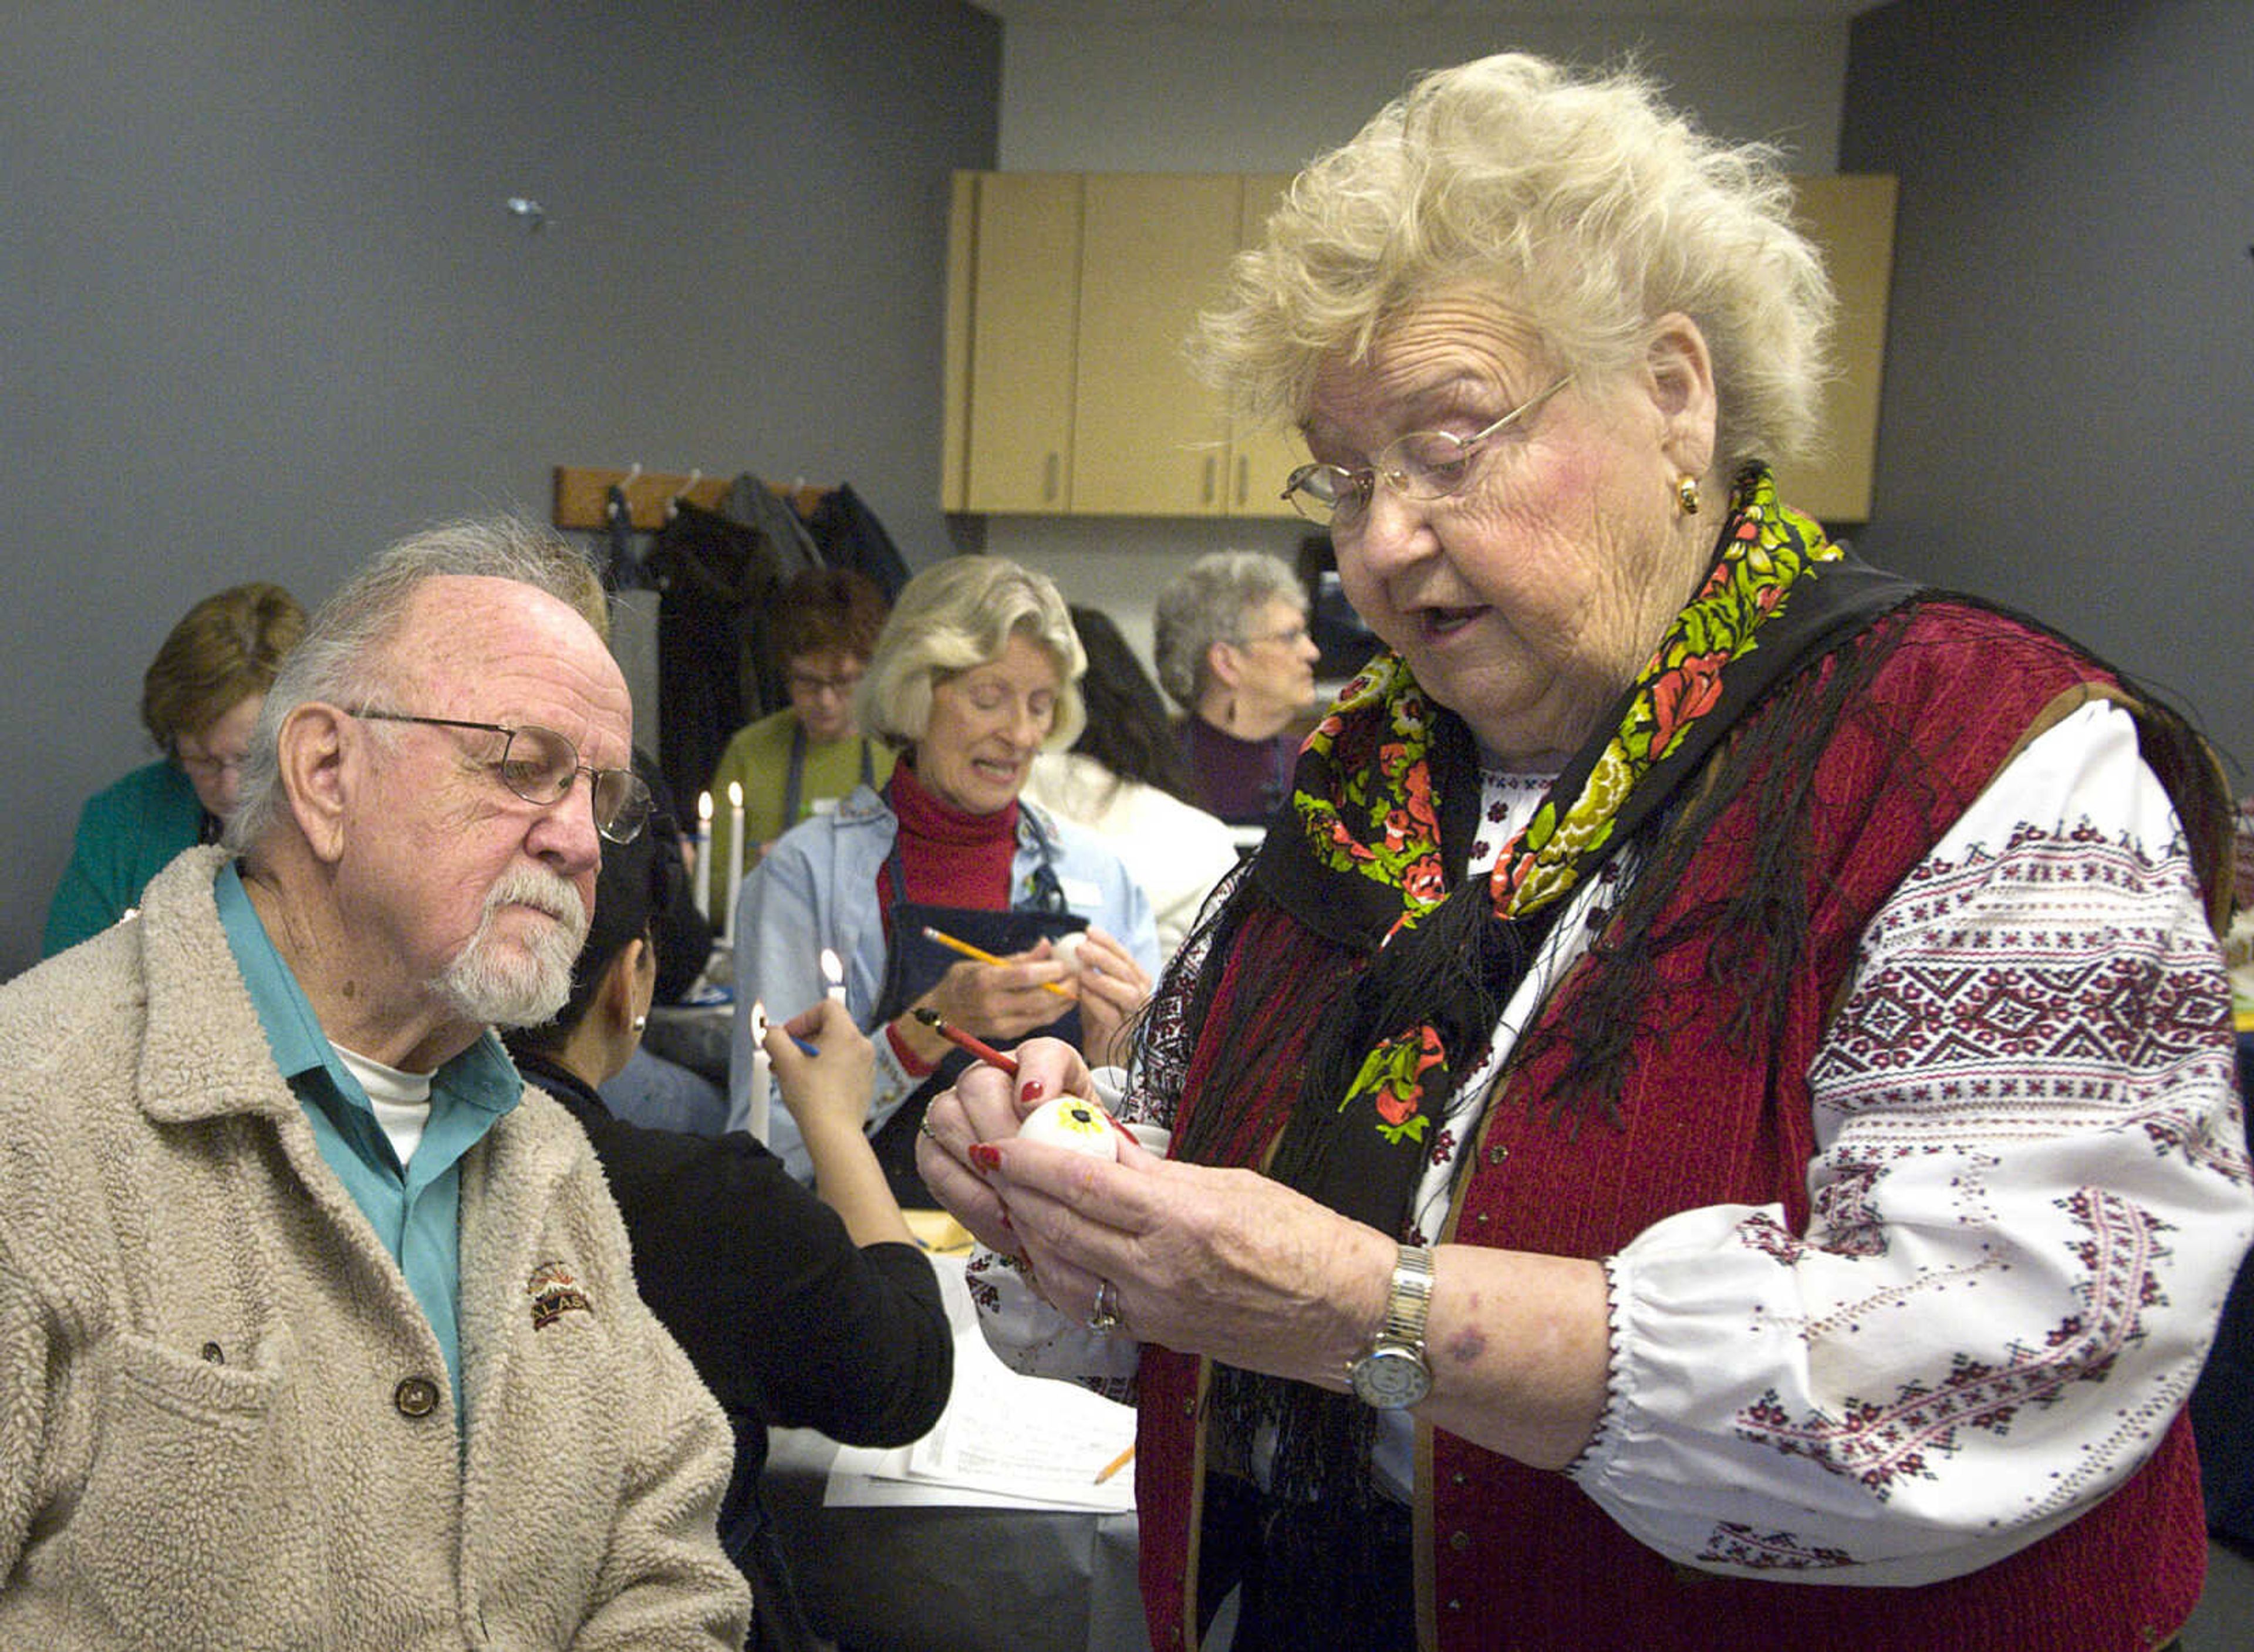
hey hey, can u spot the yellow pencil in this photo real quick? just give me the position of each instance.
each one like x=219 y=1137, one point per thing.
x=970 y=951
x=1116 y=1465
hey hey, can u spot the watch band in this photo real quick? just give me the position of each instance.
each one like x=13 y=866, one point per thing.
x=1410 y=1299
x=1393 y=1374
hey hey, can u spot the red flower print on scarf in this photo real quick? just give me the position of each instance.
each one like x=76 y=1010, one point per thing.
x=1684 y=695
x=1400 y=1098
x=1419 y=800
x=1393 y=1078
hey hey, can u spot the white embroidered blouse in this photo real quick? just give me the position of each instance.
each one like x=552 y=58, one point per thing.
x=2030 y=1196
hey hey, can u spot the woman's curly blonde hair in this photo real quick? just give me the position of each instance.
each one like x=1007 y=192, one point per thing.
x=1586 y=207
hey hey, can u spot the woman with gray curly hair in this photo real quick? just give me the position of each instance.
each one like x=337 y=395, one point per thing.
x=1721 y=1080
x=976 y=670
x=1231 y=644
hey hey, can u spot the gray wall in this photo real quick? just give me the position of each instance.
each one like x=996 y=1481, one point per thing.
x=262 y=308
x=2069 y=380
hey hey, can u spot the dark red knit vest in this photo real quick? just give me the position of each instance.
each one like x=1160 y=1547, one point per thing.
x=1509 y=1556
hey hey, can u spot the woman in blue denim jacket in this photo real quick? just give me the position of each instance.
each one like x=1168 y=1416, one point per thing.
x=975 y=671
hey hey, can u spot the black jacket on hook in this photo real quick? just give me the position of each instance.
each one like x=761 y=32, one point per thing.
x=716 y=669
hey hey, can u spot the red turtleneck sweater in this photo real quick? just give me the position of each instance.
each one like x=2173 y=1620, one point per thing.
x=948 y=858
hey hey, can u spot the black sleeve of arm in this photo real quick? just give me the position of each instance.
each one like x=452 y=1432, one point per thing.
x=782 y=1314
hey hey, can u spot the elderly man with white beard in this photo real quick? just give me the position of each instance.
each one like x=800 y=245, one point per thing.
x=317 y=1327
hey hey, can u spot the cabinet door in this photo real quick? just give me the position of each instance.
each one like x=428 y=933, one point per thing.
x=1260 y=457
x=1025 y=295
x=1852 y=218
x=1149 y=440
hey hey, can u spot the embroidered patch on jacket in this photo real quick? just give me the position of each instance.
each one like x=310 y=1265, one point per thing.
x=554 y=1293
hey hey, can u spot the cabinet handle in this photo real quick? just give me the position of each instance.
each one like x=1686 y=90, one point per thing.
x=1049 y=480
x=1210 y=476
x=1244 y=480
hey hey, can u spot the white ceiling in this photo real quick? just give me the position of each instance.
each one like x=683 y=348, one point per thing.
x=1089 y=13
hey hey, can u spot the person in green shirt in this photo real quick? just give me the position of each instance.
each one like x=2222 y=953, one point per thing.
x=199 y=701
x=804 y=758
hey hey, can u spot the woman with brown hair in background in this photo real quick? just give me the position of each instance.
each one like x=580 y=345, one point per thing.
x=199 y=702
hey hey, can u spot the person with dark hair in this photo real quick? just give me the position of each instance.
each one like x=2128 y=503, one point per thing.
x=798 y=1311
x=800 y=761
x=1709 y=1121
x=672 y=1088
x=1126 y=779
x=199 y=701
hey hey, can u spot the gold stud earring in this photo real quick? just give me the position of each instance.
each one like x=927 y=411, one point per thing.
x=1686 y=494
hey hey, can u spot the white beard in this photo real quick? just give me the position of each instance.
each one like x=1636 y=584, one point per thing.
x=505 y=986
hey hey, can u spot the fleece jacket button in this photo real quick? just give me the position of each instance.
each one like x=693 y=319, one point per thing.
x=416 y=1396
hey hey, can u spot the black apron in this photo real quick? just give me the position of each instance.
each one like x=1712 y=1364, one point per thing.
x=913 y=963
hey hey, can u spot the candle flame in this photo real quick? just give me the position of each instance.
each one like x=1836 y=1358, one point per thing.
x=832 y=970
x=705 y=806
x=735 y=793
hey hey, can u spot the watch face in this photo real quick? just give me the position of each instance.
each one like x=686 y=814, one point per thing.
x=1391 y=1378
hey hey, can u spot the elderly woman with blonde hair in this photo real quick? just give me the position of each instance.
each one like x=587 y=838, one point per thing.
x=1718 y=1081
x=975 y=671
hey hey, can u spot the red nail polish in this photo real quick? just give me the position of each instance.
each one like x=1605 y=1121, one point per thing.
x=985 y=1155
x=1032 y=1090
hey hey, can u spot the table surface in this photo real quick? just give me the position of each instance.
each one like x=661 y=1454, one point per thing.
x=927 y=1579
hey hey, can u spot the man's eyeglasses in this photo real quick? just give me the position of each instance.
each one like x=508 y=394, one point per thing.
x=539 y=766
x=1424 y=464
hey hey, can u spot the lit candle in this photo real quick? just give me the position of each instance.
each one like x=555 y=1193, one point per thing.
x=757 y=1123
x=834 y=973
x=703 y=874
x=735 y=853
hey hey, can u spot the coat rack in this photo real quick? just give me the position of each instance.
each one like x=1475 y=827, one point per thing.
x=582 y=495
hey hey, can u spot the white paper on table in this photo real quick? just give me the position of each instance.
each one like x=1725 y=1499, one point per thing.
x=1004 y=1441
x=887 y=1485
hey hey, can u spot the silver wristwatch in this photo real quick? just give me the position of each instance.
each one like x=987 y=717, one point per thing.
x=1393 y=1375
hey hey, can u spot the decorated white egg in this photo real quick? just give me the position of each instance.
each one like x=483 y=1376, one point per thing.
x=1066 y=950
x=1073 y=1122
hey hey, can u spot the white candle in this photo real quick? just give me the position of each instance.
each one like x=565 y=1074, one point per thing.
x=760 y=1076
x=702 y=876
x=735 y=853
x=834 y=973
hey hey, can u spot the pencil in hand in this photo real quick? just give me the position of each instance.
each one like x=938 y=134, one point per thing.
x=981 y=955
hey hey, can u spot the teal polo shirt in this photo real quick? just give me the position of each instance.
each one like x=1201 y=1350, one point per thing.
x=416 y=1211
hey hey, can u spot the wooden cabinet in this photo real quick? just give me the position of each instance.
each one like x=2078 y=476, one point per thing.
x=1148 y=439
x=1069 y=297
x=1852 y=218
x=1261 y=457
x=1068 y=391
x=1010 y=350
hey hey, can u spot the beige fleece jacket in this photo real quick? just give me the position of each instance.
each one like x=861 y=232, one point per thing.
x=224 y=1420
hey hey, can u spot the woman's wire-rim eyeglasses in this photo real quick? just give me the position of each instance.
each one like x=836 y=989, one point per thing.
x=1421 y=464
